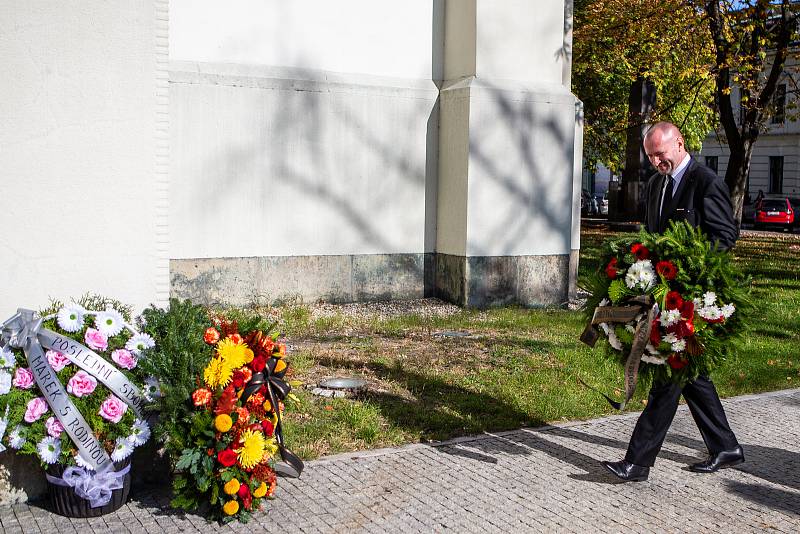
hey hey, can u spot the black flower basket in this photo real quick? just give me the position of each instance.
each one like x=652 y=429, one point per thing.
x=64 y=501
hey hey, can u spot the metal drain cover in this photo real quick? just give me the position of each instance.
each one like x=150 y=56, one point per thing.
x=343 y=383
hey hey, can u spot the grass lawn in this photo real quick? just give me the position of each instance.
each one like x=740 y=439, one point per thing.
x=516 y=367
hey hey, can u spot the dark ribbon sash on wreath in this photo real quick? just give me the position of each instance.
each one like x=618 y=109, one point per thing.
x=641 y=305
x=277 y=389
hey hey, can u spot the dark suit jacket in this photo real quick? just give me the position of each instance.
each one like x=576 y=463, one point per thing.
x=702 y=199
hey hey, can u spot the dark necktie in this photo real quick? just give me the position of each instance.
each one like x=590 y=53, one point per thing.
x=667 y=194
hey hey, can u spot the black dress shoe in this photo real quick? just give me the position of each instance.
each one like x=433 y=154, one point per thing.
x=627 y=471
x=719 y=460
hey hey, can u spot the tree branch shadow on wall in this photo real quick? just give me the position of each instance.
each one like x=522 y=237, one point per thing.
x=379 y=167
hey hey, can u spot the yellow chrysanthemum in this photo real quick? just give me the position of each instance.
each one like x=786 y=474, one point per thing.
x=280 y=365
x=223 y=422
x=231 y=353
x=232 y=486
x=248 y=355
x=231 y=507
x=217 y=373
x=252 y=450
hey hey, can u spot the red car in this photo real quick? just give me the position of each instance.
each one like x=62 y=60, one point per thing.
x=775 y=212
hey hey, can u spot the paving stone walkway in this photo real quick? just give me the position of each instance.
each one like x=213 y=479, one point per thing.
x=531 y=480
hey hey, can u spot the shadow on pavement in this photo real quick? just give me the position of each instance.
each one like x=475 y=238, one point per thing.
x=770 y=464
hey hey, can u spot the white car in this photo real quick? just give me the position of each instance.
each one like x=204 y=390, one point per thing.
x=602 y=203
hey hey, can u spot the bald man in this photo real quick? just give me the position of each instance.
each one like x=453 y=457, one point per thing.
x=682 y=190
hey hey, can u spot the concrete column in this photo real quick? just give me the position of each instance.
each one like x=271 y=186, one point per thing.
x=507 y=155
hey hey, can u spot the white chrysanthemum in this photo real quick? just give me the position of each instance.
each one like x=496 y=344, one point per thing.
x=152 y=390
x=641 y=275
x=654 y=360
x=109 y=322
x=139 y=342
x=727 y=310
x=80 y=462
x=669 y=317
x=679 y=345
x=670 y=338
x=710 y=313
x=7 y=358
x=140 y=433
x=651 y=349
x=697 y=303
x=604 y=302
x=122 y=449
x=5 y=382
x=49 y=449
x=16 y=439
x=630 y=328
x=70 y=317
x=709 y=298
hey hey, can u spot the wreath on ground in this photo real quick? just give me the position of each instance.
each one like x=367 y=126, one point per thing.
x=669 y=305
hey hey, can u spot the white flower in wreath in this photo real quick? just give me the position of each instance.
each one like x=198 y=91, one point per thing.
x=613 y=340
x=5 y=382
x=122 y=449
x=80 y=462
x=641 y=275
x=669 y=317
x=727 y=310
x=49 y=449
x=655 y=360
x=140 y=342
x=109 y=322
x=670 y=338
x=140 y=433
x=709 y=298
x=7 y=358
x=710 y=313
x=679 y=345
x=70 y=317
x=651 y=349
x=152 y=390
x=15 y=438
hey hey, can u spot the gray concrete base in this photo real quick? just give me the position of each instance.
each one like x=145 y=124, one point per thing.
x=477 y=282
x=485 y=281
x=275 y=279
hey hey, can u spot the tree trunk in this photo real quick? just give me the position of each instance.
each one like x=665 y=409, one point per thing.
x=736 y=175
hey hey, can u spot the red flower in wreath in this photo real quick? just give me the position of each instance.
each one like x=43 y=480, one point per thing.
x=655 y=336
x=226 y=457
x=687 y=310
x=667 y=269
x=611 y=268
x=211 y=335
x=676 y=362
x=673 y=300
x=640 y=251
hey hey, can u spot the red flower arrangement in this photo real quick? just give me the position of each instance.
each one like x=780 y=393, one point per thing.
x=235 y=425
x=691 y=304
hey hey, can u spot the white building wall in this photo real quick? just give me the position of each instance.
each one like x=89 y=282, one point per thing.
x=301 y=128
x=82 y=146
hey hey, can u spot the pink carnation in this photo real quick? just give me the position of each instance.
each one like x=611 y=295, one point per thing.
x=36 y=408
x=113 y=409
x=23 y=378
x=95 y=339
x=54 y=427
x=124 y=358
x=57 y=360
x=81 y=384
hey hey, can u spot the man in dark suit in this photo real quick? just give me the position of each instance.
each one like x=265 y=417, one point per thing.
x=682 y=189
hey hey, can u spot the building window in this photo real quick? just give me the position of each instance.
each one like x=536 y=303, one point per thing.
x=712 y=163
x=776 y=174
x=779 y=104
